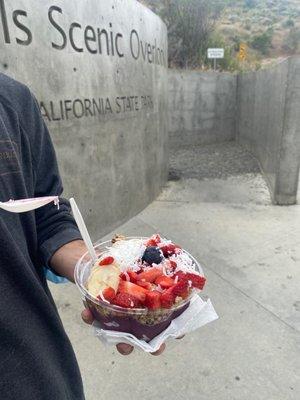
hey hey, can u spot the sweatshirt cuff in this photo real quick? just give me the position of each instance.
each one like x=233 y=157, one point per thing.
x=51 y=245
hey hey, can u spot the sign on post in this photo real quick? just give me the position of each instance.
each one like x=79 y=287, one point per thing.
x=215 y=54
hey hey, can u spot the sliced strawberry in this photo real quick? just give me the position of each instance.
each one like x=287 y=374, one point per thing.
x=109 y=294
x=181 y=289
x=126 y=300
x=167 y=298
x=153 y=300
x=164 y=281
x=197 y=280
x=181 y=276
x=123 y=276
x=150 y=275
x=154 y=240
x=173 y=265
x=168 y=249
x=107 y=261
x=157 y=238
x=144 y=284
x=132 y=289
x=133 y=276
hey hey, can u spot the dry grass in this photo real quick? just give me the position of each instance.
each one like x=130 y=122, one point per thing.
x=242 y=24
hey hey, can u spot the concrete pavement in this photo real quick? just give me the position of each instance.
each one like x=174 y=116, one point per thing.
x=251 y=255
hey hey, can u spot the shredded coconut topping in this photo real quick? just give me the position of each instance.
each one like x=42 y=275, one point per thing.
x=127 y=253
x=164 y=242
x=184 y=262
x=159 y=289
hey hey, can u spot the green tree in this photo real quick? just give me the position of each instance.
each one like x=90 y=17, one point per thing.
x=190 y=26
x=263 y=42
x=289 y=23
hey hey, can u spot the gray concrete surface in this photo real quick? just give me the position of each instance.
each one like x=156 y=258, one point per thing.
x=268 y=125
x=202 y=107
x=258 y=109
x=106 y=110
x=250 y=252
x=289 y=158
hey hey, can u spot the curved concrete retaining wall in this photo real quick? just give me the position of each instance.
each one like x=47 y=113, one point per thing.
x=202 y=107
x=99 y=71
x=269 y=125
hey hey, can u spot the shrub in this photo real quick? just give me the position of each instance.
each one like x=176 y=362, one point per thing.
x=292 y=41
x=190 y=25
x=263 y=42
x=250 y=3
x=289 y=23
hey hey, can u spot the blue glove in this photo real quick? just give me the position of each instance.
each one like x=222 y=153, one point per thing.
x=52 y=277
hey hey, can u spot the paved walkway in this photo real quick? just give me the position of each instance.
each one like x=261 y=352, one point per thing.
x=250 y=251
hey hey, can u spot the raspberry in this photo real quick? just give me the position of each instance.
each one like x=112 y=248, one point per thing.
x=168 y=249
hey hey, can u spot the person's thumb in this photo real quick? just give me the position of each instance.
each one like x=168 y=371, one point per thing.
x=87 y=316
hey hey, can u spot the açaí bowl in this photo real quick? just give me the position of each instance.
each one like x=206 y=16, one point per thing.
x=142 y=323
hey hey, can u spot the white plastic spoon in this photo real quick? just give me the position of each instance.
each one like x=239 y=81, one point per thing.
x=83 y=229
x=24 y=205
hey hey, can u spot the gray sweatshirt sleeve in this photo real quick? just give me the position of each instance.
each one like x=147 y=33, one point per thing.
x=55 y=227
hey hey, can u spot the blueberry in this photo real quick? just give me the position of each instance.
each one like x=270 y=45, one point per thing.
x=152 y=255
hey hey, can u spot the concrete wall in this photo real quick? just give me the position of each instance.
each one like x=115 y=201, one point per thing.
x=104 y=100
x=269 y=125
x=202 y=107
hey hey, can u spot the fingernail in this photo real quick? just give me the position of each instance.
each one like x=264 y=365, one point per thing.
x=124 y=350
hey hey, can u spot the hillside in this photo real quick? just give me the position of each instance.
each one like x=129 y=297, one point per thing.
x=269 y=28
x=278 y=20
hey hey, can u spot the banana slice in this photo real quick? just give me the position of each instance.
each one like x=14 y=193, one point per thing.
x=102 y=277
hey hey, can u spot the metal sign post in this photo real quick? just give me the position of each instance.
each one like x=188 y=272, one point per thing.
x=215 y=54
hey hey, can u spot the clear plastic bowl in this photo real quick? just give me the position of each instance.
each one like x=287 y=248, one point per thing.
x=141 y=322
